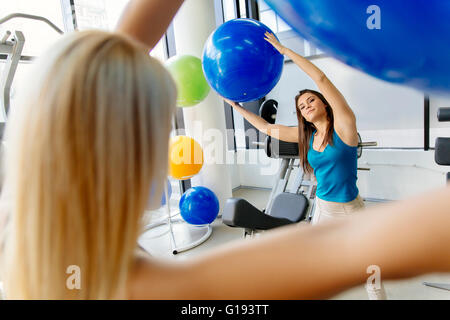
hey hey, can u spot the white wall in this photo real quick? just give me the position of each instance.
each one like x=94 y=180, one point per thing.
x=252 y=168
x=398 y=174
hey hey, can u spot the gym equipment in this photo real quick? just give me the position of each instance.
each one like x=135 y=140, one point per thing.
x=185 y=157
x=13 y=49
x=240 y=213
x=185 y=239
x=442 y=286
x=384 y=40
x=443 y=114
x=283 y=207
x=362 y=145
x=288 y=207
x=188 y=75
x=268 y=110
x=163 y=197
x=442 y=157
x=169 y=191
x=199 y=206
x=442 y=146
x=31 y=17
x=238 y=63
x=442 y=151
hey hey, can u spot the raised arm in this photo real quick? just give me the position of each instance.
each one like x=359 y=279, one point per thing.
x=344 y=118
x=277 y=131
x=403 y=239
x=148 y=20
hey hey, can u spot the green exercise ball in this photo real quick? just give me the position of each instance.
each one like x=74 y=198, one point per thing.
x=188 y=75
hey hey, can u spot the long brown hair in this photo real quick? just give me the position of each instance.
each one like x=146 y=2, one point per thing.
x=306 y=129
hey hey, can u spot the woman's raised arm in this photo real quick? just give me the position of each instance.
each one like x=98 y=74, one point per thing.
x=148 y=20
x=404 y=239
x=277 y=131
x=344 y=118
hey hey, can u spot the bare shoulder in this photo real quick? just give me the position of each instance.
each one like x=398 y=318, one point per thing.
x=347 y=133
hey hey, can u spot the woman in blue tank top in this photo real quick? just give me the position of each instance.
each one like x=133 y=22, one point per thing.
x=327 y=139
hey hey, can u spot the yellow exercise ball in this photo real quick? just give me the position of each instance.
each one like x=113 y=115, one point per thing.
x=185 y=157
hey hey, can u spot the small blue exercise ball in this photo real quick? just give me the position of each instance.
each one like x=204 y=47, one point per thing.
x=238 y=63
x=199 y=206
x=400 y=41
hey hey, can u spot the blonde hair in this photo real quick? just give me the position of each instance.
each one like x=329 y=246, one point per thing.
x=83 y=149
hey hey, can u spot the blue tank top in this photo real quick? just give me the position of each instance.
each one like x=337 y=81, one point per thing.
x=335 y=169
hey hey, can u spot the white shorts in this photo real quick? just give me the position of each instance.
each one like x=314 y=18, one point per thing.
x=326 y=210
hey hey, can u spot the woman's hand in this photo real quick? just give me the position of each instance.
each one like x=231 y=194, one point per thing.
x=230 y=102
x=269 y=37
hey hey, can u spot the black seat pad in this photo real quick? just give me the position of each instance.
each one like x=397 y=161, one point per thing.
x=287 y=209
x=290 y=206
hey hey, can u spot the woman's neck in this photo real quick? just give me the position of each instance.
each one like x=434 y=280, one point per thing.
x=321 y=126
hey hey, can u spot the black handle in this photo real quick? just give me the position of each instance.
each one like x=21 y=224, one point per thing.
x=442 y=151
x=444 y=114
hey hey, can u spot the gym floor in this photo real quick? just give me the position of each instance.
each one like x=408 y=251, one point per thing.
x=157 y=243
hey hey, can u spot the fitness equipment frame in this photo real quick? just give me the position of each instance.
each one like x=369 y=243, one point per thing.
x=442 y=157
x=13 y=49
x=169 y=222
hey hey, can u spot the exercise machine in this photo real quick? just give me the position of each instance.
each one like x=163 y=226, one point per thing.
x=13 y=50
x=11 y=46
x=442 y=157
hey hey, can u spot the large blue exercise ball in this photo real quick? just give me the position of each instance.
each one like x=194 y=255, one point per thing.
x=199 y=206
x=399 y=41
x=238 y=63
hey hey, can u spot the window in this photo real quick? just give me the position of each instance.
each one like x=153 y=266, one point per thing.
x=270 y=19
x=160 y=50
x=285 y=33
x=38 y=36
x=105 y=15
x=229 y=10
x=243 y=9
x=98 y=14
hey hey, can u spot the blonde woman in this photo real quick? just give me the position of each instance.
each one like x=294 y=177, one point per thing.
x=84 y=147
